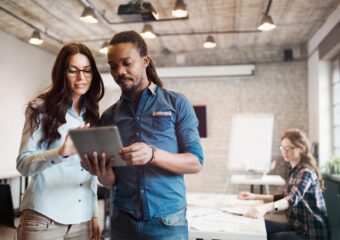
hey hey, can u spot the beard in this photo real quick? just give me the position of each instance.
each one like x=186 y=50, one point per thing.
x=129 y=91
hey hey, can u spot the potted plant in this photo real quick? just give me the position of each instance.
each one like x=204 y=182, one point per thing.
x=333 y=166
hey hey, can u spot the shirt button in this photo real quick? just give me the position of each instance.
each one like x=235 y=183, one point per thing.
x=79 y=200
x=137 y=133
x=82 y=169
x=142 y=191
x=52 y=162
x=81 y=184
x=138 y=118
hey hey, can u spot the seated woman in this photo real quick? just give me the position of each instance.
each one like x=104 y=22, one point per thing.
x=302 y=198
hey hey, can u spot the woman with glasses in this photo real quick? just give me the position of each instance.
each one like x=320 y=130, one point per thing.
x=302 y=197
x=61 y=199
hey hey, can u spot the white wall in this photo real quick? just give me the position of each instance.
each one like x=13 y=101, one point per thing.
x=313 y=97
x=24 y=70
x=318 y=90
x=325 y=112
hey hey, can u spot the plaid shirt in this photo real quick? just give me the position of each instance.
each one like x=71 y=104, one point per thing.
x=307 y=212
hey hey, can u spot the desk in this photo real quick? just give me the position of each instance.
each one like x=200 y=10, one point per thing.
x=208 y=219
x=263 y=180
x=4 y=175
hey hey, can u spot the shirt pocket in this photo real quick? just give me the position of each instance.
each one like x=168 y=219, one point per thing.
x=176 y=219
x=161 y=123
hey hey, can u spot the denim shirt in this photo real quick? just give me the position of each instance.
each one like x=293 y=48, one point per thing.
x=59 y=188
x=166 y=120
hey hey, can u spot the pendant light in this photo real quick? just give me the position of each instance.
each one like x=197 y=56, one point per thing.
x=180 y=10
x=36 y=38
x=209 y=42
x=148 y=32
x=267 y=23
x=88 y=16
x=104 y=48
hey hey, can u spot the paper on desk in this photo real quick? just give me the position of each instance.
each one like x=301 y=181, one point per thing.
x=249 y=202
x=201 y=212
x=215 y=222
x=235 y=209
x=211 y=200
x=218 y=200
x=214 y=227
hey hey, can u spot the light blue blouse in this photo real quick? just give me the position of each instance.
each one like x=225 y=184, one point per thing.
x=59 y=188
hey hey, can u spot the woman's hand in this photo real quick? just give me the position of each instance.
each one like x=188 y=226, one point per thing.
x=259 y=211
x=68 y=149
x=246 y=196
x=95 y=229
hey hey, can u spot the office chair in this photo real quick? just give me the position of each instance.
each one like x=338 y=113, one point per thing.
x=6 y=206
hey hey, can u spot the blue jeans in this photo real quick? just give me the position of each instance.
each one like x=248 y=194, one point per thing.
x=171 y=227
x=281 y=231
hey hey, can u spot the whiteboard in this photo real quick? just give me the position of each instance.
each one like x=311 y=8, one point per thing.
x=251 y=142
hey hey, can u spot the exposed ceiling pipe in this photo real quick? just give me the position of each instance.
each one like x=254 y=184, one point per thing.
x=31 y=25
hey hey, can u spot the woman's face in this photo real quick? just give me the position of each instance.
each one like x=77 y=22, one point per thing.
x=289 y=151
x=79 y=75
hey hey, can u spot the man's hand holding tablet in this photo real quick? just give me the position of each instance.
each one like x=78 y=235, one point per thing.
x=98 y=148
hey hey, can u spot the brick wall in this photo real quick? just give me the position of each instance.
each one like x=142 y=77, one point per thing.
x=278 y=87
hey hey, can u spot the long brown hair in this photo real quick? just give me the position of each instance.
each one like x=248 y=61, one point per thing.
x=299 y=139
x=57 y=98
x=134 y=38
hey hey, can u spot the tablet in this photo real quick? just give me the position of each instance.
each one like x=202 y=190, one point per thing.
x=100 y=139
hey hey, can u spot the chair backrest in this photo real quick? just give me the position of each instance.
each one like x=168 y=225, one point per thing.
x=6 y=206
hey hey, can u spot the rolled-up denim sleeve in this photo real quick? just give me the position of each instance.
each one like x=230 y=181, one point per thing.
x=187 y=129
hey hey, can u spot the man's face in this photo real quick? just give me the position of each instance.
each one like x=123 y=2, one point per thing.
x=127 y=67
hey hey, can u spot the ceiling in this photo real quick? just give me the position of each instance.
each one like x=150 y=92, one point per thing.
x=296 y=20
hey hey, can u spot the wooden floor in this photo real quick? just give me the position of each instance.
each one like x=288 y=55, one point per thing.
x=7 y=233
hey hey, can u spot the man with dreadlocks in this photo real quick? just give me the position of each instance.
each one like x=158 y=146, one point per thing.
x=159 y=130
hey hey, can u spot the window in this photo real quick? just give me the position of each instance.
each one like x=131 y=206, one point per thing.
x=335 y=88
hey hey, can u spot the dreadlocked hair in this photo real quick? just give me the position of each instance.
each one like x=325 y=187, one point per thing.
x=134 y=38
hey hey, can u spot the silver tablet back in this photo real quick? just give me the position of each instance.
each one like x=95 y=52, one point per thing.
x=100 y=139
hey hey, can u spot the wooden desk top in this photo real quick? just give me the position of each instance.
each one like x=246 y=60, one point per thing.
x=9 y=174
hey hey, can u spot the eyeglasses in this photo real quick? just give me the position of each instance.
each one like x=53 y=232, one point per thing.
x=286 y=149
x=74 y=72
